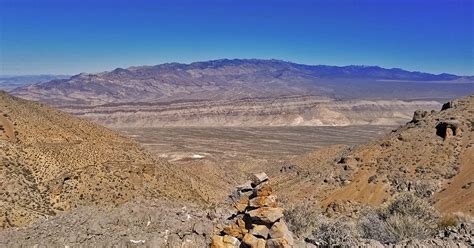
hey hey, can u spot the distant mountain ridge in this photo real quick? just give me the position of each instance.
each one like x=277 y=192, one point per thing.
x=227 y=79
x=10 y=82
x=362 y=71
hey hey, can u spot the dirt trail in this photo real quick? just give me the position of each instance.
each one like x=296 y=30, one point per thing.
x=8 y=131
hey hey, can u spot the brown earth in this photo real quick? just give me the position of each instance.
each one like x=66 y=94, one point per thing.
x=52 y=162
x=6 y=128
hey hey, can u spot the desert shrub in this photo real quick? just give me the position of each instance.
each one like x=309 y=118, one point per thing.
x=303 y=218
x=455 y=219
x=340 y=232
x=405 y=217
x=425 y=188
x=372 y=226
x=448 y=221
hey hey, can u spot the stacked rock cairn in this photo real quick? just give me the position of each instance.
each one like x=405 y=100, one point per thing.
x=259 y=222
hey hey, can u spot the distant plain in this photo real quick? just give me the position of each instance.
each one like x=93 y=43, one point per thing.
x=236 y=143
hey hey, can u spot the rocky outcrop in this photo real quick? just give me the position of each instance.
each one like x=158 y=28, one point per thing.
x=449 y=128
x=258 y=221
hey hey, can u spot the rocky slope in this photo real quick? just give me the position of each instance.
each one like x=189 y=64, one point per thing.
x=431 y=155
x=51 y=162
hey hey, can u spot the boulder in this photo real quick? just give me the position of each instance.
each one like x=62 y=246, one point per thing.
x=236 y=229
x=263 y=190
x=263 y=201
x=259 y=178
x=201 y=228
x=242 y=204
x=267 y=215
x=418 y=115
x=231 y=241
x=448 y=105
x=446 y=129
x=224 y=242
x=280 y=230
x=260 y=231
x=245 y=187
x=278 y=243
x=217 y=241
x=253 y=241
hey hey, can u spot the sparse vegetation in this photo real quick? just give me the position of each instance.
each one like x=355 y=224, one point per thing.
x=406 y=216
x=304 y=218
x=340 y=232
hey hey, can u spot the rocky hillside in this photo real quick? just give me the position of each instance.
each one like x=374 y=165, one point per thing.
x=51 y=162
x=432 y=156
x=242 y=79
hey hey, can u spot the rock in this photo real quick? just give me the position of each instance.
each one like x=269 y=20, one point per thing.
x=263 y=201
x=446 y=129
x=419 y=115
x=264 y=190
x=242 y=205
x=229 y=240
x=202 y=228
x=280 y=230
x=257 y=211
x=241 y=223
x=266 y=214
x=217 y=241
x=303 y=244
x=236 y=229
x=259 y=178
x=253 y=241
x=278 y=243
x=260 y=231
x=224 y=242
x=245 y=187
x=448 y=105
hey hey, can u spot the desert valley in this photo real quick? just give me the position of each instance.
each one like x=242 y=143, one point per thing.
x=163 y=170
x=236 y=124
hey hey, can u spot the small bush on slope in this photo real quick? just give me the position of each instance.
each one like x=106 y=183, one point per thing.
x=304 y=218
x=405 y=217
x=340 y=232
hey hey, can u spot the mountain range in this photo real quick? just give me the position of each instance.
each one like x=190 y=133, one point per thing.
x=241 y=79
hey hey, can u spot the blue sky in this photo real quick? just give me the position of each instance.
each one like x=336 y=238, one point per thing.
x=73 y=36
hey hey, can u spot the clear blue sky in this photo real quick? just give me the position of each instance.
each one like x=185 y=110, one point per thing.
x=73 y=36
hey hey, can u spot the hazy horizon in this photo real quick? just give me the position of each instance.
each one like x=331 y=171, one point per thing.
x=187 y=63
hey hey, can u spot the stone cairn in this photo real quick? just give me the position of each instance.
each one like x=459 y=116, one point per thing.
x=258 y=221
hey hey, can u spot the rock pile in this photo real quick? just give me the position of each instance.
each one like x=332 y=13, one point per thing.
x=258 y=221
